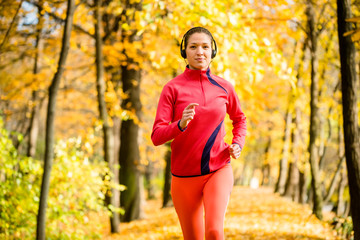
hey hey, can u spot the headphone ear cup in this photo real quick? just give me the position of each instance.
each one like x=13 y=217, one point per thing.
x=183 y=53
x=213 y=53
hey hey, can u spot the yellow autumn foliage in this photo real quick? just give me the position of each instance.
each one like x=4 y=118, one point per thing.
x=252 y=214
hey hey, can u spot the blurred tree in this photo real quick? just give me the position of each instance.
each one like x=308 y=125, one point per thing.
x=341 y=205
x=338 y=172
x=167 y=178
x=350 y=110
x=283 y=165
x=314 y=111
x=35 y=100
x=108 y=143
x=129 y=159
x=50 y=133
x=265 y=168
x=295 y=184
x=292 y=182
x=150 y=176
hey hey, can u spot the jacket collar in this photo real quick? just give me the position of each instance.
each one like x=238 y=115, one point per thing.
x=192 y=74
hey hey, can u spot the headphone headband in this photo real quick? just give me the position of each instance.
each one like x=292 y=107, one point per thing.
x=183 y=51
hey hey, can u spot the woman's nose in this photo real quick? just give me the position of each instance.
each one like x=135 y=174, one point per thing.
x=199 y=50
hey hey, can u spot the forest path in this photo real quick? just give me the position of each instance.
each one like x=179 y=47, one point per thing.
x=253 y=214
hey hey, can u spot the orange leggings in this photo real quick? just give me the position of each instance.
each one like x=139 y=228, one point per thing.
x=193 y=195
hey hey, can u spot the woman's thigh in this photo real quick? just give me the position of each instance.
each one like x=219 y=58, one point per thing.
x=216 y=197
x=187 y=198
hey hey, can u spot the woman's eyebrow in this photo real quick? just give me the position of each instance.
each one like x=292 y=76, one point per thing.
x=195 y=43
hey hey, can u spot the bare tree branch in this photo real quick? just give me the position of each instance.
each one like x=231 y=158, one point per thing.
x=10 y=27
x=59 y=19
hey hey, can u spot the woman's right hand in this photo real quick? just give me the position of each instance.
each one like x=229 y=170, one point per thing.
x=188 y=115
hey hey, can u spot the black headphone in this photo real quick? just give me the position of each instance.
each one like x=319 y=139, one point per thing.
x=183 y=51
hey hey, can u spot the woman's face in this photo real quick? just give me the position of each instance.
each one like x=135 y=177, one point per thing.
x=198 y=51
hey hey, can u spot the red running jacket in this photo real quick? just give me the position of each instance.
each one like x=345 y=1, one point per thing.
x=198 y=149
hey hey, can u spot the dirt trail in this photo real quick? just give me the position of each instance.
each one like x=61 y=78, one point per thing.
x=253 y=214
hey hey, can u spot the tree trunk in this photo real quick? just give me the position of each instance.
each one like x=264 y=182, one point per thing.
x=297 y=135
x=34 y=125
x=334 y=181
x=167 y=178
x=340 y=211
x=266 y=166
x=107 y=129
x=149 y=177
x=50 y=122
x=292 y=182
x=350 y=110
x=280 y=185
x=339 y=170
x=109 y=38
x=130 y=175
x=302 y=187
x=36 y=106
x=21 y=127
x=314 y=114
x=130 y=198
x=116 y=134
x=324 y=142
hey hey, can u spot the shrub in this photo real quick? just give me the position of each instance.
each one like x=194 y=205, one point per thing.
x=343 y=227
x=19 y=190
x=76 y=192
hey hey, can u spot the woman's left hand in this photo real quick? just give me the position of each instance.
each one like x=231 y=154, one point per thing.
x=234 y=150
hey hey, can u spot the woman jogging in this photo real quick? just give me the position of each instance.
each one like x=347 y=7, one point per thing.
x=191 y=112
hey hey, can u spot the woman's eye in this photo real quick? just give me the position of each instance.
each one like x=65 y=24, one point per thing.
x=192 y=47
x=206 y=47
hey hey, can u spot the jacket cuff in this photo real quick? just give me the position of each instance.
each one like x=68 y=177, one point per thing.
x=180 y=127
x=238 y=144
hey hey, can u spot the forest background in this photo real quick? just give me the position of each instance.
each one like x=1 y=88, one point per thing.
x=94 y=70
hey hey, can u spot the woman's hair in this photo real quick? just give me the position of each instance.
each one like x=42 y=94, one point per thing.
x=196 y=30
x=185 y=40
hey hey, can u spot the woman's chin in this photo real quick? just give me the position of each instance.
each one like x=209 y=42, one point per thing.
x=199 y=67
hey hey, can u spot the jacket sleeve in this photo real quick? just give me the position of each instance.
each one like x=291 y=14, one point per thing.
x=238 y=118
x=163 y=129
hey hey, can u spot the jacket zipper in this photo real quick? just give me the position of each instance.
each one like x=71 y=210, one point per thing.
x=202 y=90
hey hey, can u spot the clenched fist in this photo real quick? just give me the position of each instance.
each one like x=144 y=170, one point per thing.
x=234 y=150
